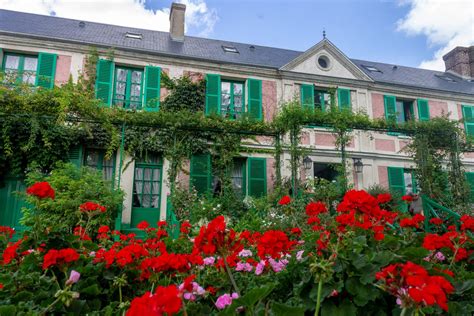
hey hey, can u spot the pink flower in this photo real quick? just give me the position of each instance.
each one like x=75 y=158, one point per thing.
x=299 y=255
x=277 y=266
x=245 y=253
x=260 y=267
x=209 y=261
x=225 y=300
x=73 y=277
x=439 y=255
x=244 y=266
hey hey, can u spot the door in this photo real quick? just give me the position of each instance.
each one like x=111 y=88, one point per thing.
x=146 y=199
x=11 y=203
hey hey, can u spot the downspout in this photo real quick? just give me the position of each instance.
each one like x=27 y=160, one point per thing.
x=118 y=220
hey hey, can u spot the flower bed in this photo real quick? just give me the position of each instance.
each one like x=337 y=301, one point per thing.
x=362 y=260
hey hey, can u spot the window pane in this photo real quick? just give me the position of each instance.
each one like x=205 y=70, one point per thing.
x=225 y=87
x=29 y=77
x=327 y=100
x=400 y=114
x=136 y=77
x=237 y=103
x=30 y=63
x=135 y=90
x=120 y=88
x=12 y=62
x=238 y=88
x=408 y=182
x=92 y=158
x=237 y=177
x=121 y=74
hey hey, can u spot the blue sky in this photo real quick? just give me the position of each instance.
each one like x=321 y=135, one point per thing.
x=406 y=32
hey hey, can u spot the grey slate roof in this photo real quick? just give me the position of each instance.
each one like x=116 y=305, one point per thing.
x=48 y=27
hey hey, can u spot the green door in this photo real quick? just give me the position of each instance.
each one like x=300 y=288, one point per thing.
x=147 y=191
x=11 y=203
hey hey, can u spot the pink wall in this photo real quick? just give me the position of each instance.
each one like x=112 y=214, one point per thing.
x=383 y=176
x=378 y=109
x=468 y=155
x=164 y=91
x=385 y=145
x=63 y=70
x=304 y=138
x=403 y=144
x=437 y=108
x=324 y=139
x=183 y=178
x=194 y=75
x=269 y=99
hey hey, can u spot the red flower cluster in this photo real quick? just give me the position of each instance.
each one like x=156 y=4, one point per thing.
x=214 y=237
x=285 y=200
x=313 y=210
x=41 y=190
x=436 y=221
x=143 y=225
x=10 y=252
x=169 y=262
x=185 y=227
x=7 y=232
x=452 y=240
x=383 y=198
x=59 y=257
x=407 y=198
x=413 y=285
x=467 y=223
x=165 y=301
x=91 y=207
x=412 y=222
x=127 y=255
x=360 y=209
x=274 y=243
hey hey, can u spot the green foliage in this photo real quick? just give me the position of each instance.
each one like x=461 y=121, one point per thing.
x=184 y=94
x=73 y=187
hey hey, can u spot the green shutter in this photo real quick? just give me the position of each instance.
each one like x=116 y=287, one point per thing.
x=213 y=94
x=307 y=96
x=255 y=98
x=152 y=88
x=257 y=176
x=423 y=110
x=46 y=70
x=200 y=173
x=344 y=98
x=390 y=103
x=104 y=78
x=1 y=59
x=75 y=155
x=470 y=181
x=396 y=179
x=468 y=117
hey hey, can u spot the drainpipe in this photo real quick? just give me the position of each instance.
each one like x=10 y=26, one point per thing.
x=118 y=220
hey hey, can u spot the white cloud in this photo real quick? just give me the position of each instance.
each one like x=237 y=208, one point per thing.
x=445 y=23
x=133 y=13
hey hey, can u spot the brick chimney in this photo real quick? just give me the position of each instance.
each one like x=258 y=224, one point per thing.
x=177 y=21
x=460 y=61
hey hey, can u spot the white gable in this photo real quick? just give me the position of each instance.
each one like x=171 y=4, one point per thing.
x=336 y=63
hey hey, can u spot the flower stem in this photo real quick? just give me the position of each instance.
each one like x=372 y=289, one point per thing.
x=318 y=300
x=231 y=277
x=404 y=311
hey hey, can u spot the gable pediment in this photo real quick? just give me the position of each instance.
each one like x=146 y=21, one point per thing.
x=325 y=59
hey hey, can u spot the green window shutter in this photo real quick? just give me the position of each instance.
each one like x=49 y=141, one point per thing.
x=152 y=88
x=468 y=117
x=103 y=82
x=423 y=110
x=213 y=94
x=307 y=96
x=257 y=177
x=255 y=98
x=470 y=181
x=390 y=104
x=75 y=155
x=396 y=179
x=200 y=173
x=344 y=98
x=46 y=70
x=1 y=59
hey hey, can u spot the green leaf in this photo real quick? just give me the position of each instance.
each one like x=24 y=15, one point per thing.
x=255 y=295
x=461 y=287
x=413 y=253
x=7 y=310
x=362 y=293
x=345 y=309
x=279 y=309
x=91 y=290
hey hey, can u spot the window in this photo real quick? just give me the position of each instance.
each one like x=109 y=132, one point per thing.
x=371 y=68
x=238 y=176
x=324 y=62
x=230 y=49
x=232 y=99
x=134 y=35
x=325 y=171
x=95 y=158
x=468 y=117
x=404 y=111
x=128 y=88
x=411 y=185
x=402 y=180
x=322 y=99
x=147 y=182
x=446 y=78
x=20 y=68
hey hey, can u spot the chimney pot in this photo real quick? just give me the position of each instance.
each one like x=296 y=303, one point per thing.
x=460 y=61
x=177 y=21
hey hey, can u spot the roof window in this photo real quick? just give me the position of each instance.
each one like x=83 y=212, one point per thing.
x=134 y=35
x=371 y=68
x=230 y=49
x=446 y=78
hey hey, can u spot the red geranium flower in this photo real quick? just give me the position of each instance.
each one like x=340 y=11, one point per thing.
x=143 y=225
x=185 y=227
x=41 y=190
x=165 y=301
x=59 y=257
x=285 y=200
x=91 y=207
x=436 y=221
x=384 y=198
x=467 y=223
x=407 y=198
x=315 y=208
x=412 y=222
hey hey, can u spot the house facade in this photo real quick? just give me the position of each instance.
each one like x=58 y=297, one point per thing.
x=240 y=78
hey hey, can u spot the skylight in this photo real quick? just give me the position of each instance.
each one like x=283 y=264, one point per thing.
x=371 y=68
x=230 y=49
x=446 y=78
x=134 y=35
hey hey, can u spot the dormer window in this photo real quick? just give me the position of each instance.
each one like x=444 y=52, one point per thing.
x=134 y=35
x=230 y=49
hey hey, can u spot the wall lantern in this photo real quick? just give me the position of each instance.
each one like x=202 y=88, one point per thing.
x=307 y=163
x=358 y=165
